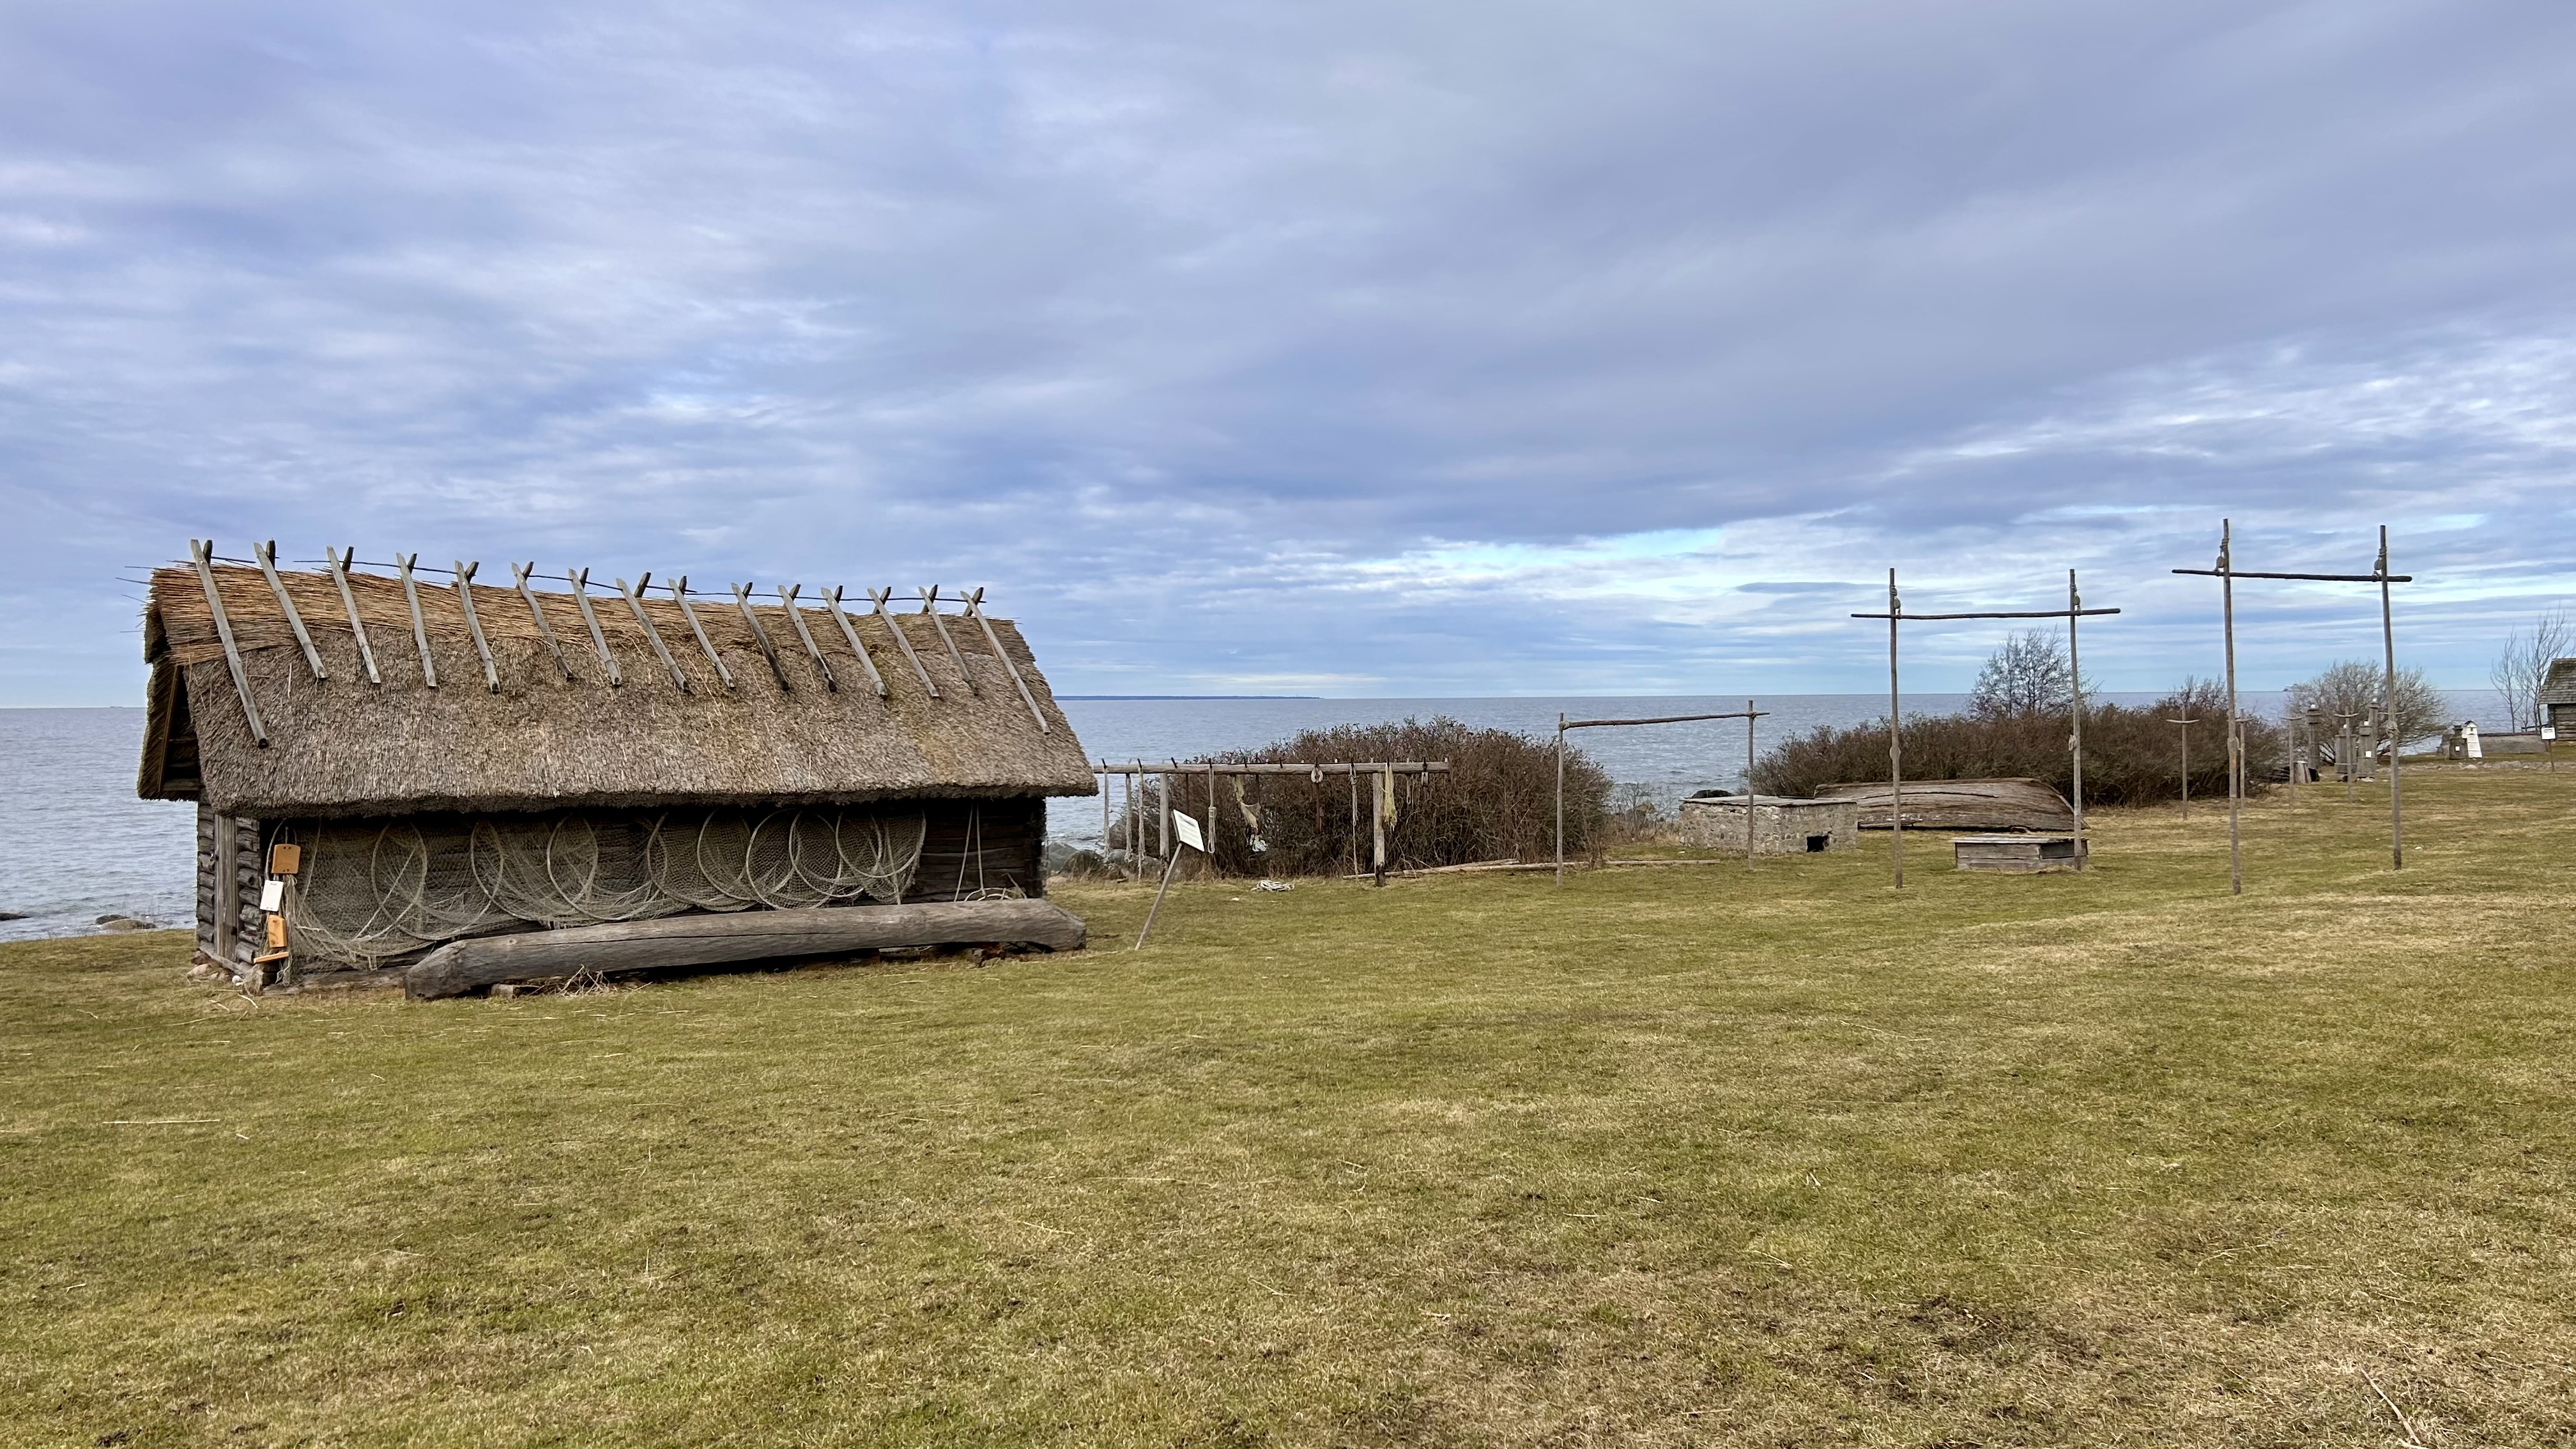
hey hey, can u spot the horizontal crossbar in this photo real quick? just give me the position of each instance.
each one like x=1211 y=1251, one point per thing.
x=1585 y=724
x=2007 y=614
x=2319 y=578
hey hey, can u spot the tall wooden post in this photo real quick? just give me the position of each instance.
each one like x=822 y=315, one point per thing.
x=1895 y=749
x=2235 y=729
x=1560 y=797
x=2075 y=680
x=1384 y=787
x=1214 y=870
x=1748 y=784
x=2388 y=713
x=2186 y=724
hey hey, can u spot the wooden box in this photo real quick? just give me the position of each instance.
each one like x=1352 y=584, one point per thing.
x=2017 y=854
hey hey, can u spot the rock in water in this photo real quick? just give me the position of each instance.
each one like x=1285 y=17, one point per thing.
x=124 y=923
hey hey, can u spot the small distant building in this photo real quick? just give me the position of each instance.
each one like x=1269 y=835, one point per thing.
x=1781 y=825
x=2558 y=696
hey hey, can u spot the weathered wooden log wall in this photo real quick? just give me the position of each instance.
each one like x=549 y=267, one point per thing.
x=229 y=923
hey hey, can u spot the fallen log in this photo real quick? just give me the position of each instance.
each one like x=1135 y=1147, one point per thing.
x=1961 y=805
x=708 y=940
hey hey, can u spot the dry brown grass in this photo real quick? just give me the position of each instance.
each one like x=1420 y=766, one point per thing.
x=1668 y=1157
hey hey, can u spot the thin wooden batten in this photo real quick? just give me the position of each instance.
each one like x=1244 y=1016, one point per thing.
x=878 y=598
x=975 y=611
x=419 y=630
x=474 y=623
x=581 y=595
x=545 y=631
x=679 y=588
x=787 y=599
x=929 y=601
x=635 y=601
x=832 y=601
x=266 y=553
x=340 y=562
x=760 y=636
x=202 y=552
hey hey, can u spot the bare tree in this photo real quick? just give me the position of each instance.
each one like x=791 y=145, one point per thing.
x=2523 y=667
x=2356 y=686
x=2028 y=676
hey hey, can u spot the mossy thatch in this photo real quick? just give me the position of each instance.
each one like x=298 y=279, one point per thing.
x=542 y=740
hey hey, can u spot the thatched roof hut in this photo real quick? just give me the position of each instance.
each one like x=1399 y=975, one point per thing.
x=2558 y=695
x=322 y=704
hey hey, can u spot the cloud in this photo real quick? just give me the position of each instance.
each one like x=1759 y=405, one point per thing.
x=1491 y=348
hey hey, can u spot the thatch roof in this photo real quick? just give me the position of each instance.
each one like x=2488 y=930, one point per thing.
x=2559 y=685
x=553 y=735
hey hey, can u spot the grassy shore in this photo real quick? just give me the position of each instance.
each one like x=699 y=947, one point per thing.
x=1666 y=1156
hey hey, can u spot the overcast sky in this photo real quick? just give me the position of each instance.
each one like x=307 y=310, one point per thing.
x=1362 y=349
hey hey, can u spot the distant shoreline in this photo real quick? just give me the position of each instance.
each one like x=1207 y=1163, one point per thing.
x=1188 y=696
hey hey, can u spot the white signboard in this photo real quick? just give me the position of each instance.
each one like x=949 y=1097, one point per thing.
x=272 y=896
x=2549 y=732
x=1188 y=830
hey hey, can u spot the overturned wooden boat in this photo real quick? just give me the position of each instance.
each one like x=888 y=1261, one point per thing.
x=2001 y=804
x=460 y=967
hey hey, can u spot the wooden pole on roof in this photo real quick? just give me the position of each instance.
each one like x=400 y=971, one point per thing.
x=202 y=552
x=474 y=623
x=760 y=636
x=975 y=610
x=419 y=630
x=644 y=621
x=878 y=597
x=266 y=553
x=679 y=588
x=787 y=600
x=580 y=579
x=340 y=575
x=545 y=630
x=850 y=633
x=929 y=599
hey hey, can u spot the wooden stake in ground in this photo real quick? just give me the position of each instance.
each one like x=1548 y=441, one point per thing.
x=2235 y=732
x=2075 y=680
x=1895 y=745
x=1189 y=831
x=2388 y=641
x=1748 y=784
x=1560 y=797
x=2186 y=762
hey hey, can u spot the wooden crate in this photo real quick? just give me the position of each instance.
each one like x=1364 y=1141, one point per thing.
x=2016 y=854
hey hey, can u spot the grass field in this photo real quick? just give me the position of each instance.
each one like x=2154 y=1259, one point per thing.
x=1677 y=1156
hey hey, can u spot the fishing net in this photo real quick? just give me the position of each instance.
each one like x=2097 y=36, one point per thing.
x=370 y=892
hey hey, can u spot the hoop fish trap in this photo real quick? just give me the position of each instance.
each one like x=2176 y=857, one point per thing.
x=373 y=891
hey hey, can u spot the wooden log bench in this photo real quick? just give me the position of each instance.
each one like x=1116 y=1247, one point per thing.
x=2017 y=854
x=711 y=940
